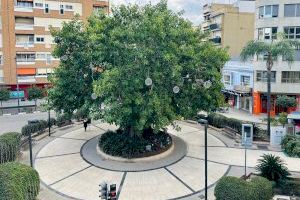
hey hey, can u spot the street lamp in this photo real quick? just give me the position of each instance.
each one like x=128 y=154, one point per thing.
x=48 y=106
x=205 y=123
x=17 y=81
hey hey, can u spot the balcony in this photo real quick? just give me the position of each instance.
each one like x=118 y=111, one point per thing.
x=24 y=27
x=215 y=27
x=25 y=44
x=1 y=79
x=23 y=6
x=216 y=40
x=242 y=88
x=26 y=79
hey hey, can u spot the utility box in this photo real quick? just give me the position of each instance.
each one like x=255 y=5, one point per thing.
x=277 y=134
x=247 y=134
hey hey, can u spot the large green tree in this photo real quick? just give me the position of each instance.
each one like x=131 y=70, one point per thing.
x=272 y=51
x=72 y=80
x=156 y=66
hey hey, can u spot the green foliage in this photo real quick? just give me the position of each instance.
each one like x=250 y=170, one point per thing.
x=63 y=119
x=9 y=147
x=72 y=80
x=120 y=144
x=272 y=167
x=52 y=122
x=82 y=113
x=291 y=145
x=38 y=127
x=135 y=43
x=4 y=95
x=282 y=119
x=18 y=182
x=35 y=93
x=285 y=102
x=221 y=121
x=234 y=188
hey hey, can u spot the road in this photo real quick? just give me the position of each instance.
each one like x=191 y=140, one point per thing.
x=14 y=123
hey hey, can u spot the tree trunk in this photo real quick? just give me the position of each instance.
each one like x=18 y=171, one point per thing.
x=131 y=131
x=35 y=104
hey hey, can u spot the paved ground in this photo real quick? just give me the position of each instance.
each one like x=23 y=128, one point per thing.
x=63 y=170
x=15 y=123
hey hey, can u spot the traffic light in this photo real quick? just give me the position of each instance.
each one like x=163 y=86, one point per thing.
x=113 y=192
x=103 y=190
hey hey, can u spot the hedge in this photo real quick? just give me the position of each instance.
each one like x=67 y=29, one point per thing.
x=81 y=114
x=18 y=182
x=234 y=188
x=39 y=127
x=221 y=121
x=291 y=145
x=9 y=147
x=63 y=119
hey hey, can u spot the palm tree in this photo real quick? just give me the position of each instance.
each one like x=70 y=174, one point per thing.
x=272 y=167
x=272 y=50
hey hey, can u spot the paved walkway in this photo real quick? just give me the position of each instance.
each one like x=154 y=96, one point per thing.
x=63 y=170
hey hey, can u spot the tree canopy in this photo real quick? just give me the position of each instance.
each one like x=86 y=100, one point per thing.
x=285 y=102
x=4 y=95
x=156 y=66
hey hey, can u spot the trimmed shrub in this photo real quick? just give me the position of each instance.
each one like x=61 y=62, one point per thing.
x=291 y=145
x=261 y=188
x=52 y=121
x=9 y=147
x=38 y=127
x=63 y=119
x=234 y=188
x=221 y=121
x=18 y=182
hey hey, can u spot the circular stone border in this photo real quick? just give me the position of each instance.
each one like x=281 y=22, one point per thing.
x=90 y=153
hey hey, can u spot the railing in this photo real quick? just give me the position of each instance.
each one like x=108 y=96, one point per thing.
x=24 y=26
x=24 y=8
x=24 y=44
x=26 y=79
x=290 y=80
x=25 y=60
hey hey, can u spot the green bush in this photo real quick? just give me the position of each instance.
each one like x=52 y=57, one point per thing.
x=9 y=147
x=221 y=121
x=18 y=182
x=261 y=188
x=233 y=188
x=81 y=113
x=52 y=121
x=63 y=119
x=120 y=144
x=272 y=167
x=38 y=127
x=291 y=145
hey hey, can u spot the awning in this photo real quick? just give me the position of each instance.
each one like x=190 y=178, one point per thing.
x=26 y=71
x=236 y=92
x=294 y=115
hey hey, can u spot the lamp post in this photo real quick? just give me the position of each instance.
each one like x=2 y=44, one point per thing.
x=205 y=123
x=48 y=106
x=17 y=82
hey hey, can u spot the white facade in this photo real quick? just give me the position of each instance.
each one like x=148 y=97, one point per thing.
x=275 y=16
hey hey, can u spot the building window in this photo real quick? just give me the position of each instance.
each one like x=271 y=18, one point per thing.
x=98 y=8
x=290 y=77
x=61 y=10
x=25 y=57
x=227 y=79
x=39 y=5
x=69 y=7
x=261 y=76
x=267 y=33
x=268 y=11
x=41 y=56
x=245 y=80
x=296 y=56
x=40 y=39
x=47 y=8
x=292 y=32
x=48 y=59
x=292 y=10
x=44 y=71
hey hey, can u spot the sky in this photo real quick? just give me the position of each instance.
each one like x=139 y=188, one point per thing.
x=192 y=8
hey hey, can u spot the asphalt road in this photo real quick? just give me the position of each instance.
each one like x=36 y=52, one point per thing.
x=14 y=123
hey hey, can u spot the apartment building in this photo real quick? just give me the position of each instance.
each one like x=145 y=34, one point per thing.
x=272 y=17
x=230 y=25
x=25 y=40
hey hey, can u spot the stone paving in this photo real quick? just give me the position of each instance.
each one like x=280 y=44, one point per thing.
x=63 y=170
